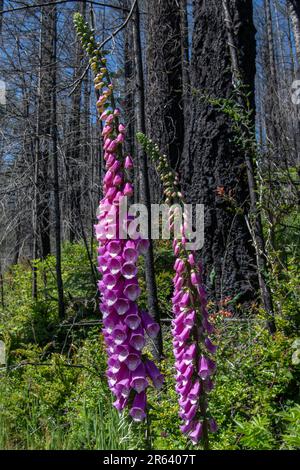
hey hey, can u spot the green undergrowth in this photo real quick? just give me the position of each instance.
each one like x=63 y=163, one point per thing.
x=53 y=390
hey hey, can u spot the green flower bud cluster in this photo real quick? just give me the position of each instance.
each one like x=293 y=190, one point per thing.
x=89 y=43
x=168 y=176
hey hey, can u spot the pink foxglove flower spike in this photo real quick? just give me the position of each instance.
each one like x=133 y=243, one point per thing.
x=191 y=328
x=125 y=327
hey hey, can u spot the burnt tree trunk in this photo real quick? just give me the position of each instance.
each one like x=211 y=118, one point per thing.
x=44 y=137
x=294 y=10
x=254 y=221
x=1 y=15
x=213 y=167
x=56 y=188
x=40 y=209
x=185 y=59
x=74 y=148
x=144 y=182
x=129 y=85
x=273 y=105
x=165 y=119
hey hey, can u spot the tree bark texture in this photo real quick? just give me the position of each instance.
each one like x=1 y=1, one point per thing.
x=213 y=168
x=164 y=83
x=144 y=182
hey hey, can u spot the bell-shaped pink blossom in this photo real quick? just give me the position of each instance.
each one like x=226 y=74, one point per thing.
x=114 y=364
x=124 y=326
x=137 y=339
x=132 y=291
x=107 y=130
x=105 y=115
x=138 y=380
x=121 y=306
x=154 y=374
x=120 y=138
x=196 y=434
x=129 y=270
x=112 y=147
x=118 y=179
x=191 y=259
x=114 y=247
x=194 y=392
x=114 y=265
x=210 y=346
x=128 y=189
x=109 y=119
x=119 y=334
x=109 y=280
x=149 y=324
x=133 y=360
x=121 y=128
x=116 y=166
x=120 y=403
x=122 y=352
x=138 y=409
x=188 y=426
x=123 y=388
x=206 y=367
x=133 y=321
x=128 y=164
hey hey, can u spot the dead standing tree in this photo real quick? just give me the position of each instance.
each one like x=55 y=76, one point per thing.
x=144 y=181
x=164 y=82
x=213 y=168
x=254 y=219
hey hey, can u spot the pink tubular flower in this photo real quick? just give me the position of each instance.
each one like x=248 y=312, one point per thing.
x=132 y=291
x=151 y=327
x=104 y=116
x=112 y=147
x=124 y=325
x=133 y=321
x=191 y=343
x=154 y=374
x=139 y=381
x=133 y=361
x=120 y=138
x=107 y=130
x=196 y=434
x=128 y=189
x=128 y=163
x=138 y=410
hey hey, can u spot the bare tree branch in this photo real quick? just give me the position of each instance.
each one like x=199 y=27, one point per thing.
x=25 y=7
x=109 y=38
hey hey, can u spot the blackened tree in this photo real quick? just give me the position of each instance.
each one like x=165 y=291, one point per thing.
x=213 y=166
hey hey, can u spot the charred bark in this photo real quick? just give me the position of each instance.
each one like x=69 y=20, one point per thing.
x=56 y=187
x=213 y=167
x=164 y=89
x=294 y=9
x=144 y=182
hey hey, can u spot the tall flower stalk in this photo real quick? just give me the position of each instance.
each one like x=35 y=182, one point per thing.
x=125 y=326
x=193 y=349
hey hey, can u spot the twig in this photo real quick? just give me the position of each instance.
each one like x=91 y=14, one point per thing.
x=120 y=27
x=79 y=80
x=26 y=7
x=109 y=38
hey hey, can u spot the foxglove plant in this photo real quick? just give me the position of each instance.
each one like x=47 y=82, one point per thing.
x=124 y=325
x=193 y=349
